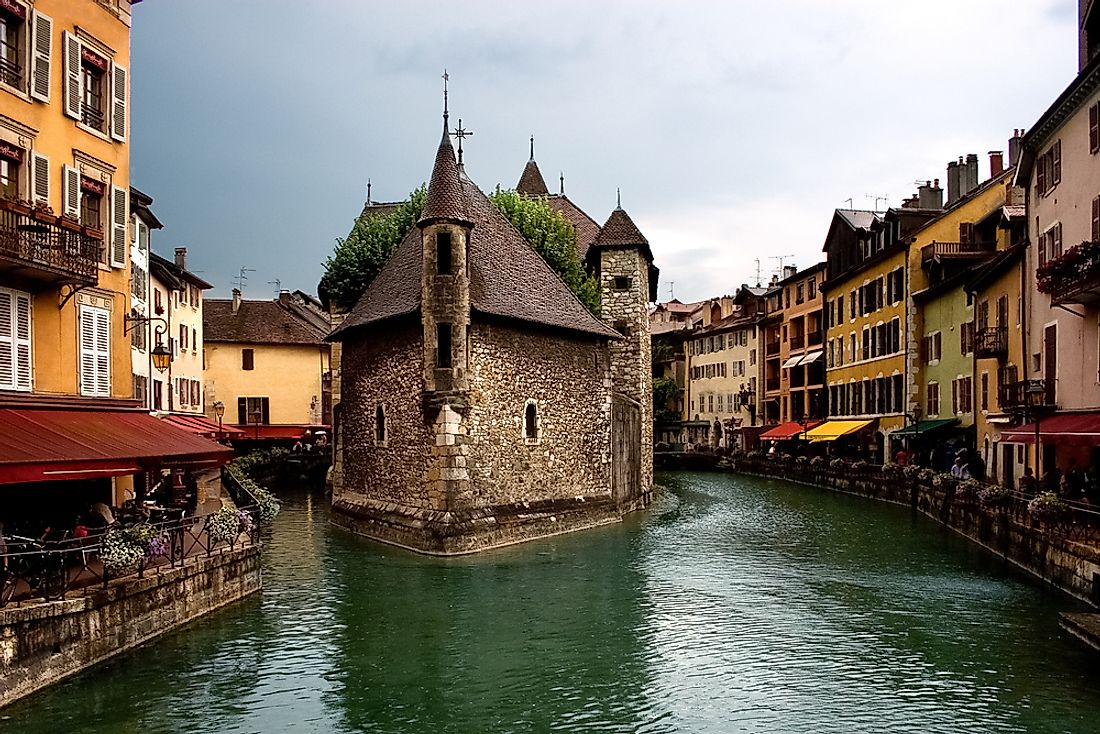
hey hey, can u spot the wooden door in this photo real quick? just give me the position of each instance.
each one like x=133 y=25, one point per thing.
x=626 y=448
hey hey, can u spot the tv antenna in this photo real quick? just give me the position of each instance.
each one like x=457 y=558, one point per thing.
x=278 y=286
x=851 y=204
x=780 y=258
x=757 y=272
x=877 y=199
x=242 y=278
x=671 y=283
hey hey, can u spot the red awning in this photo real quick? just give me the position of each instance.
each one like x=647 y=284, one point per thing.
x=1069 y=429
x=276 y=432
x=785 y=431
x=201 y=426
x=42 y=444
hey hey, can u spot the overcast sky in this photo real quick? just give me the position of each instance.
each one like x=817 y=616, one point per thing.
x=733 y=128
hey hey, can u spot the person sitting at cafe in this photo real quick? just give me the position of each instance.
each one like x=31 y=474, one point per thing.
x=80 y=530
x=1027 y=483
x=959 y=469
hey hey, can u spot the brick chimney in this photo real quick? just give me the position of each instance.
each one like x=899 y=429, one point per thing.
x=1014 y=147
x=285 y=298
x=996 y=163
x=236 y=300
x=181 y=258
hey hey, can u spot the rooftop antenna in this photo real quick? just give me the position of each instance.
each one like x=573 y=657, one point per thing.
x=461 y=133
x=242 y=278
x=278 y=286
x=757 y=272
x=671 y=292
x=851 y=204
x=780 y=258
x=877 y=199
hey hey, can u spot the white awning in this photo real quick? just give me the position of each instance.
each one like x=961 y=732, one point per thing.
x=791 y=362
x=813 y=356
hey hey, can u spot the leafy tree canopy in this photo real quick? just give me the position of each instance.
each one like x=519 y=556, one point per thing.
x=358 y=258
x=553 y=237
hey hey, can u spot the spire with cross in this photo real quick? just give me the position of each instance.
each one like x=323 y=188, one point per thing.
x=461 y=133
x=532 y=147
x=446 y=78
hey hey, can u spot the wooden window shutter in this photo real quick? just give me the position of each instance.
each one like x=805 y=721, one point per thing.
x=118 y=227
x=73 y=82
x=87 y=350
x=22 y=340
x=1096 y=219
x=71 y=194
x=242 y=411
x=103 y=352
x=118 y=102
x=1056 y=244
x=966 y=232
x=1042 y=249
x=42 y=55
x=40 y=178
x=265 y=409
x=1041 y=174
x=1094 y=128
x=7 y=340
x=1057 y=163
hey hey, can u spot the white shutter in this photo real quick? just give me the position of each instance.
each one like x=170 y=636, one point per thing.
x=119 y=245
x=87 y=350
x=103 y=352
x=72 y=75
x=7 y=341
x=40 y=57
x=71 y=204
x=22 y=341
x=118 y=102
x=40 y=178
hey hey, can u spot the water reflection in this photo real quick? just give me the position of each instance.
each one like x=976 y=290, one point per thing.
x=735 y=605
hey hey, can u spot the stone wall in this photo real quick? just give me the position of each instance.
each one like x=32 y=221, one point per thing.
x=568 y=379
x=628 y=312
x=43 y=643
x=385 y=368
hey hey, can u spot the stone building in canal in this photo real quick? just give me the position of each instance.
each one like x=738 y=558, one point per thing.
x=481 y=403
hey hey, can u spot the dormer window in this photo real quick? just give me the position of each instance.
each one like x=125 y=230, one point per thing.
x=444 y=254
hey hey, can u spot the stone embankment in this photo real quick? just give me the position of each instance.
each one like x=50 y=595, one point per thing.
x=1063 y=551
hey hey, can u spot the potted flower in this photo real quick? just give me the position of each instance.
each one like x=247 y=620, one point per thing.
x=1048 y=507
x=993 y=495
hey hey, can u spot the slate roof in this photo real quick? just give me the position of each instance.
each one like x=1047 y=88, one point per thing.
x=531 y=182
x=858 y=218
x=445 y=198
x=257 y=322
x=507 y=277
x=173 y=275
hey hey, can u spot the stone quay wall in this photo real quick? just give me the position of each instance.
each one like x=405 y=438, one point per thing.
x=1064 y=554
x=42 y=643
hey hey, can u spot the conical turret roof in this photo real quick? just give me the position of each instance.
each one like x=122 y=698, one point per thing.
x=445 y=198
x=531 y=182
x=620 y=231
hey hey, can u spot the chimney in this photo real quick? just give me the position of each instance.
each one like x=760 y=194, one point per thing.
x=789 y=270
x=952 y=182
x=284 y=298
x=969 y=174
x=1014 y=146
x=996 y=163
x=930 y=196
x=236 y=300
x=181 y=258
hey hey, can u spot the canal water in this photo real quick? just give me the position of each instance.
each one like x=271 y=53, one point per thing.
x=735 y=605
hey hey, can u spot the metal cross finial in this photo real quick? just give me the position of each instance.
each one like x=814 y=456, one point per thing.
x=446 y=78
x=368 y=192
x=532 y=147
x=618 y=198
x=561 y=181
x=460 y=133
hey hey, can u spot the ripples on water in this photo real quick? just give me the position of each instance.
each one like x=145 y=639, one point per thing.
x=735 y=604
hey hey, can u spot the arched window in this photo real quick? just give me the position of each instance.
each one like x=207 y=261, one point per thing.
x=380 y=425
x=531 y=422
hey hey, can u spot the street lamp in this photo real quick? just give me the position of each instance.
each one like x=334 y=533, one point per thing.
x=914 y=416
x=1035 y=398
x=161 y=356
x=254 y=417
x=219 y=411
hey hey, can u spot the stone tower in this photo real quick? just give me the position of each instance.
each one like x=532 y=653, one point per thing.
x=622 y=258
x=445 y=229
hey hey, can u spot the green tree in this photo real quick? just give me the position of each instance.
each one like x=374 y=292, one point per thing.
x=665 y=394
x=554 y=238
x=359 y=257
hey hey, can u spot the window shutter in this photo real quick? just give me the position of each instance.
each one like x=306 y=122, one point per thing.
x=72 y=75
x=1041 y=174
x=1094 y=128
x=242 y=412
x=7 y=340
x=118 y=102
x=87 y=351
x=118 y=227
x=103 y=352
x=265 y=405
x=71 y=195
x=1042 y=249
x=43 y=52
x=1057 y=245
x=22 y=341
x=1057 y=156
x=966 y=231
x=40 y=178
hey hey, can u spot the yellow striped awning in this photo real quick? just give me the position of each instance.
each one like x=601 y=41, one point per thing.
x=832 y=430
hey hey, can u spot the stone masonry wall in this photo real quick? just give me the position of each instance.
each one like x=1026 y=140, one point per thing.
x=630 y=357
x=41 y=644
x=385 y=367
x=568 y=378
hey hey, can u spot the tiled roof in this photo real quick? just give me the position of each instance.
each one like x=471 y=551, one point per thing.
x=531 y=182
x=619 y=230
x=171 y=274
x=584 y=225
x=379 y=208
x=445 y=198
x=256 y=322
x=507 y=279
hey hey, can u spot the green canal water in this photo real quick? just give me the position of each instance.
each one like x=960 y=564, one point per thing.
x=735 y=605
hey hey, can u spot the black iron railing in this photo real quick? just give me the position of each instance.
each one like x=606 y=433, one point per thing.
x=1014 y=395
x=48 y=246
x=991 y=341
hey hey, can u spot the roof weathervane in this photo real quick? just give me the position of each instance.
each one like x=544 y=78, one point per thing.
x=461 y=133
x=446 y=78
x=532 y=147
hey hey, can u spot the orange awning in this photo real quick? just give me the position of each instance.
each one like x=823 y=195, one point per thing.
x=1069 y=429
x=786 y=431
x=45 y=444
x=201 y=426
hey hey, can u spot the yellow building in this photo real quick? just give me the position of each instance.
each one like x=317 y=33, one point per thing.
x=865 y=316
x=267 y=363
x=72 y=434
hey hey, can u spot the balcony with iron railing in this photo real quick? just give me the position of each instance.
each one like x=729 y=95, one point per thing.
x=991 y=342
x=798 y=341
x=1073 y=276
x=771 y=348
x=1017 y=395
x=955 y=251
x=39 y=245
